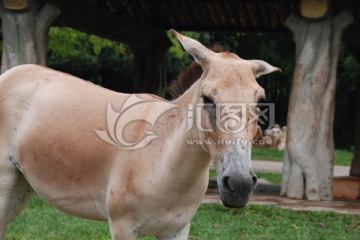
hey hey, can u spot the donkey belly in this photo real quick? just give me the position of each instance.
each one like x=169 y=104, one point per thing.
x=75 y=183
x=51 y=129
x=78 y=203
x=48 y=121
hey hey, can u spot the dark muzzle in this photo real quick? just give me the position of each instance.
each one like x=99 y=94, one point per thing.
x=236 y=188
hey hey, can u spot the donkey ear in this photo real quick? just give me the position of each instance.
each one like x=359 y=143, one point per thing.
x=260 y=68
x=194 y=48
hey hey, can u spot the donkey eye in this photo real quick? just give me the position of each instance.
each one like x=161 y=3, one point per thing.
x=210 y=107
x=208 y=101
x=262 y=99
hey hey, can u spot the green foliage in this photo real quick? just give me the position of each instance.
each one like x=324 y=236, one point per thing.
x=66 y=42
x=99 y=60
x=212 y=222
x=100 y=43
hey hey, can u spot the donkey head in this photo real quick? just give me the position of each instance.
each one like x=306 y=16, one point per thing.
x=228 y=93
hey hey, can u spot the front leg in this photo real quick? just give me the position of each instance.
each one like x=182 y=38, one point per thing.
x=123 y=229
x=182 y=234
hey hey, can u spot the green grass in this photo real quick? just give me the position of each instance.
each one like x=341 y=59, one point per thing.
x=269 y=222
x=267 y=154
x=39 y=221
x=212 y=172
x=271 y=177
x=342 y=157
x=212 y=222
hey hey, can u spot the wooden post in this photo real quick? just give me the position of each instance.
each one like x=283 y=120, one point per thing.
x=308 y=163
x=25 y=32
x=355 y=164
x=149 y=69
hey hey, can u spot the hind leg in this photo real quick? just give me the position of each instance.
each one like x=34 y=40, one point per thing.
x=7 y=181
x=20 y=196
x=15 y=192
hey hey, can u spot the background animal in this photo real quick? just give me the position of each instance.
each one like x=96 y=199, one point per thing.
x=274 y=137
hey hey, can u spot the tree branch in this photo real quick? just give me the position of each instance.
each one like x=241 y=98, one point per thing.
x=47 y=15
x=343 y=20
x=292 y=22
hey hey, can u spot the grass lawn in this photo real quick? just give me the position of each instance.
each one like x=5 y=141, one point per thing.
x=342 y=157
x=271 y=177
x=267 y=154
x=268 y=222
x=40 y=221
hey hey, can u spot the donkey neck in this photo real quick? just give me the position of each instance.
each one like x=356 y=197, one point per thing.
x=183 y=153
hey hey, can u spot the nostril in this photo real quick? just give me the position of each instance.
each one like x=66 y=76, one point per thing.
x=254 y=180
x=226 y=184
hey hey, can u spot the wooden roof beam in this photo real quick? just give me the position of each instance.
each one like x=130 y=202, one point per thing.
x=99 y=21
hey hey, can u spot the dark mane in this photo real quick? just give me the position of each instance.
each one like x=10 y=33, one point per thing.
x=188 y=76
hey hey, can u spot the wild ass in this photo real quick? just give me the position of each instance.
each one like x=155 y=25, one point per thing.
x=128 y=159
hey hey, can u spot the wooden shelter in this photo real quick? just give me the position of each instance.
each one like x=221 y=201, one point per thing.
x=142 y=24
x=110 y=18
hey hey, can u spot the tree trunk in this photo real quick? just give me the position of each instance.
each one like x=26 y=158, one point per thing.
x=308 y=163
x=355 y=164
x=149 y=69
x=25 y=33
